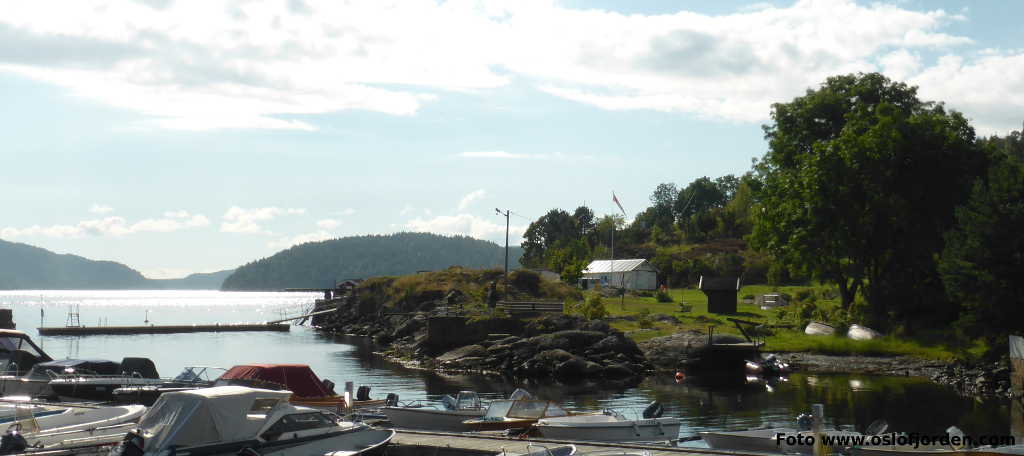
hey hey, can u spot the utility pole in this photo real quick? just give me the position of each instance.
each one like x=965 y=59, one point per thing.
x=506 y=214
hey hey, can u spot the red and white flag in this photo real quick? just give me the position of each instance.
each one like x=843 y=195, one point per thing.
x=617 y=203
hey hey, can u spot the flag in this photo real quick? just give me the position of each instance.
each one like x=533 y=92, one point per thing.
x=617 y=203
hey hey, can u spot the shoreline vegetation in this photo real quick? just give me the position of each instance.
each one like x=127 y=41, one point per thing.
x=619 y=340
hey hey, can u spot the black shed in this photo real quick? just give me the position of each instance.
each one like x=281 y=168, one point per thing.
x=721 y=292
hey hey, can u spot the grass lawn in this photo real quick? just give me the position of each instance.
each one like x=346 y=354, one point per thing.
x=790 y=340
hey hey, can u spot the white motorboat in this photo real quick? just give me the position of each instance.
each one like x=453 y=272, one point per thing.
x=77 y=426
x=232 y=420
x=18 y=354
x=609 y=427
x=96 y=380
x=419 y=415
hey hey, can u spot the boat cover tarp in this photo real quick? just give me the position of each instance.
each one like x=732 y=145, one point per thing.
x=77 y=366
x=205 y=416
x=298 y=378
x=142 y=366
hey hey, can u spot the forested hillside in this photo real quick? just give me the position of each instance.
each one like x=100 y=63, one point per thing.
x=322 y=264
x=23 y=266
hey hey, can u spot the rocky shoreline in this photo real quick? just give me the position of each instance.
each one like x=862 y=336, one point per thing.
x=567 y=348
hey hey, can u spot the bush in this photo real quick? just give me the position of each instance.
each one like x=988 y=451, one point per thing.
x=662 y=296
x=644 y=320
x=592 y=308
x=525 y=280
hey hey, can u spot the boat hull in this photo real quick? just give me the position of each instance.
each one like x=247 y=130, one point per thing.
x=21 y=386
x=650 y=430
x=430 y=418
x=499 y=425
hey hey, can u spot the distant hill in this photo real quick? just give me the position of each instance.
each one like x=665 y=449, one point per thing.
x=322 y=264
x=198 y=281
x=23 y=266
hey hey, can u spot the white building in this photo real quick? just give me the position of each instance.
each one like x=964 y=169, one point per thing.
x=636 y=274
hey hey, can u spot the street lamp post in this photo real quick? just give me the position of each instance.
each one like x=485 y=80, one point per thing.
x=506 y=214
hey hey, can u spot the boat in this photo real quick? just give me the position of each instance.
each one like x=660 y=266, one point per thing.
x=18 y=355
x=515 y=414
x=96 y=380
x=815 y=328
x=238 y=420
x=78 y=426
x=307 y=389
x=768 y=366
x=449 y=417
x=858 y=332
x=191 y=378
x=419 y=415
x=609 y=426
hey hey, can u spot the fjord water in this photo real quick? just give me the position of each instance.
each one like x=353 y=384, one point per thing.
x=908 y=404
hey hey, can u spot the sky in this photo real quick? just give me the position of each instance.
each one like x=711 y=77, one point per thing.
x=193 y=136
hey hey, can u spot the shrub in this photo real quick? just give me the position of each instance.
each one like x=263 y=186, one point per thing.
x=592 y=308
x=662 y=296
x=525 y=280
x=644 y=320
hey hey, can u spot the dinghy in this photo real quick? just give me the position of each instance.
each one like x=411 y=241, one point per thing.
x=449 y=417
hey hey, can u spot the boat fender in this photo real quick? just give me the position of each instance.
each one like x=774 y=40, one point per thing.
x=12 y=442
x=653 y=410
x=391 y=400
x=248 y=451
x=363 y=393
x=680 y=376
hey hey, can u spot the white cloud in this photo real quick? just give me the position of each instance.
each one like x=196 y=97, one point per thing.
x=984 y=88
x=100 y=209
x=470 y=197
x=222 y=64
x=241 y=220
x=467 y=225
x=111 y=226
x=288 y=241
x=328 y=224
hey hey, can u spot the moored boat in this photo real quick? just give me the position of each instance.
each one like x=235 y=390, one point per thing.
x=78 y=426
x=515 y=414
x=232 y=420
x=609 y=427
x=18 y=355
x=190 y=378
x=307 y=389
x=96 y=380
x=450 y=417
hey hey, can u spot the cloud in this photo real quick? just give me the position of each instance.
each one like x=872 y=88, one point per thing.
x=270 y=65
x=288 y=241
x=241 y=220
x=467 y=225
x=470 y=197
x=111 y=226
x=328 y=224
x=346 y=212
x=982 y=87
x=100 y=209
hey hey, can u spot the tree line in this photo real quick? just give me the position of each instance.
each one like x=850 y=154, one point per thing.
x=893 y=200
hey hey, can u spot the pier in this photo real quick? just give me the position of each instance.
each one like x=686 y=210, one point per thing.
x=154 y=329
x=409 y=442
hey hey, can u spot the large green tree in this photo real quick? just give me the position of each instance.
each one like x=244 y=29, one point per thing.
x=983 y=263
x=859 y=184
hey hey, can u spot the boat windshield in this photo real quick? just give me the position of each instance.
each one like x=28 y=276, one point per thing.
x=528 y=409
x=498 y=409
x=467 y=400
x=17 y=354
x=197 y=374
x=297 y=422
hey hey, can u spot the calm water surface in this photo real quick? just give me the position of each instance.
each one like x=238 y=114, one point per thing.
x=908 y=404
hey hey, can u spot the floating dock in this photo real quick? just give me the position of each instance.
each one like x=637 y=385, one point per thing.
x=412 y=443
x=162 y=329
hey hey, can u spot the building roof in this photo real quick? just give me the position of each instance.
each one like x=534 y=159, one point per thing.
x=602 y=266
x=719 y=284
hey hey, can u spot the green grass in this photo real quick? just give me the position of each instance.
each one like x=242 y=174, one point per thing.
x=928 y=346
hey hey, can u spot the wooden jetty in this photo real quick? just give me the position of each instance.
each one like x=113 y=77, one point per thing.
x=409 y=442
x=158 y=329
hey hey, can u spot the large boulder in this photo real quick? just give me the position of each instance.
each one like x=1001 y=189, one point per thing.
x=575 y=341
x=469 y=351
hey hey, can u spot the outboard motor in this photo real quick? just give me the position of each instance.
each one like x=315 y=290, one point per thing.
x=363 y=393
x=653 y=410
x=391 y=400
x=804 y=422
x=12 y=442
x=132 y=445
x=329 y=386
